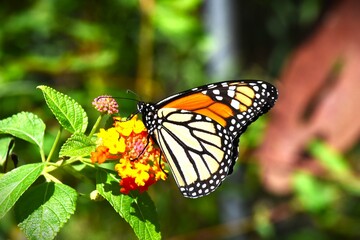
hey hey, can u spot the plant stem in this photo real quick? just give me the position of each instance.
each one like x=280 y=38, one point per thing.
x=50 y=177
x=88 y=163
x=42 y=154
x=54 y=146
x=96 y=125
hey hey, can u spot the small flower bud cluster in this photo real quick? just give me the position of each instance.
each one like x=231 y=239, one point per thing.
x=106 y=104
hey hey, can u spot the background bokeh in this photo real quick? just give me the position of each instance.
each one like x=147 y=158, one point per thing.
x=157 y=48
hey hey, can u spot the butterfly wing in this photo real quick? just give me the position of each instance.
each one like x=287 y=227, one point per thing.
x=200 y=151
x=198 y=130
x=233 y=104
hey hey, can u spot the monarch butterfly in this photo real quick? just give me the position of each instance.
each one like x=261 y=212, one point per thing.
x=198 y=130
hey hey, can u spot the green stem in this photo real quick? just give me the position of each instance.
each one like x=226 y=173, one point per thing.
x=51 y=178
x=42 y=154
x=87 y=162
x=54 y=146
x=71 y=160
x=96 y=125
x=53 y=166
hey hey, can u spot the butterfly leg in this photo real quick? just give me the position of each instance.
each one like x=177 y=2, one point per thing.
x=163 y=170
x=143 y=150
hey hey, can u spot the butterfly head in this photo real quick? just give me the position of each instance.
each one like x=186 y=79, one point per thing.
x=140 y=106
x=146 y=108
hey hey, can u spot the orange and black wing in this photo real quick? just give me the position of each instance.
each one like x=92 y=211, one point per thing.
x=198 y=130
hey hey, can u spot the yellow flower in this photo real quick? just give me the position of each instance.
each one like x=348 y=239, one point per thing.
x=141 y=178
x=139 y=126
x=128 y=142
x=126 y=127
x=112 y=139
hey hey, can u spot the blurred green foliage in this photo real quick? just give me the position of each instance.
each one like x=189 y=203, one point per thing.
x=332 y=198
x=88 y=48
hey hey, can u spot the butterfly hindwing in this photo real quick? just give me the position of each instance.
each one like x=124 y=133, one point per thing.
x=198 y=130
x=198 y=150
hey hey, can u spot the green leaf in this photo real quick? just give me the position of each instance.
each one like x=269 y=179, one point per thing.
x=313 y=194
x=77 y=145
x=24 y=125
x=44 y=209
x=137 y=209
x=67 y=111
x=331 y=159
x=14 y=183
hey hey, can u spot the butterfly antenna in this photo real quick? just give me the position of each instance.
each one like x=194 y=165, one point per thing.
x=129 y=117
x=132 y=99
x=134 y=93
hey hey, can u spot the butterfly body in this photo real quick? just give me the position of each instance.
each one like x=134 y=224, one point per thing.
x=198 y=130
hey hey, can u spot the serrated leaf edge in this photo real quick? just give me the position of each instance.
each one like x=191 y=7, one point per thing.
x=28 y=114
x=46 y=89
x=121 y=211
x=19 y=182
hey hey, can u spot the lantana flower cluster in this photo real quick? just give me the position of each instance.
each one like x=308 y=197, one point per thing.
x=105 y=104
x=138 y=159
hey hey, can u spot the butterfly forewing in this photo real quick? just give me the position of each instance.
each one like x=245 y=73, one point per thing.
x=233 y=104
x=198 y=130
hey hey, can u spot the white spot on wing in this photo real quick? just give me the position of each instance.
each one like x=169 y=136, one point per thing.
x=231 y=93
x=219 y=98
x=235 y=104
x=216 y=91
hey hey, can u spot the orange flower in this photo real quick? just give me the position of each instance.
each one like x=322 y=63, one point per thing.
x=100 y=155
x=139 y=161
